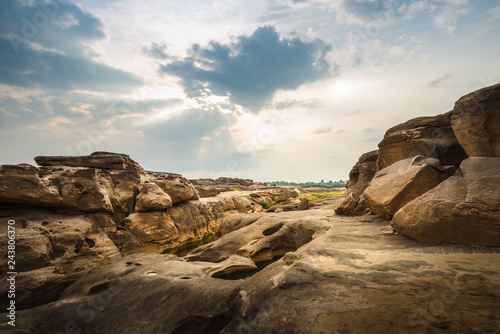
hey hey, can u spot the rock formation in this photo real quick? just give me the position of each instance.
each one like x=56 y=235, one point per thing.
x=395 y=186
x=476 y=122
x=463 y=209
x=426 y=136
x=360 y=177
x=293 y=272
x=74 y=219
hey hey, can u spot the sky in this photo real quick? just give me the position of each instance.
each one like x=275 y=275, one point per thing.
x=292 y=90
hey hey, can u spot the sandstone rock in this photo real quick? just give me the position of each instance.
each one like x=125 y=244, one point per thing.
x=152 y=227
x=476 y=122
x=463 y=209
x=352 y=205
x=38 y=287
x=100 y=160
x=302 y=205
x=204 y=191
x=71 y=242
x=426 y=136
x=362 y=173
x=360 y=177
x=152 y=198
x=234 y=181
x=176 y=186
x=395 y=186
x=351 y=275
x=83 y=189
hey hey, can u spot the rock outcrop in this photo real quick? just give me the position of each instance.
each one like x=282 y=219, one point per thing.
x=476 y=122
x=74 y=219
x=99 y=160
x=463 y=209
x=395 y=186
x=426 y=136
x=293 y=272
x=360 y=177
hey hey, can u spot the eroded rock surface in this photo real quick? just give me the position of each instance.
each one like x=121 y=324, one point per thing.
x=337 y=275
x=395 y=186
x=360 y=177
x=476 y=122
x=426 y=136
x=463 y=209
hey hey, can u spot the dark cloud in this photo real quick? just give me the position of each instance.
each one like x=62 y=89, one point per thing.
x=252 y=69
x=158 y=51
x=436 y=82
x=45 y=44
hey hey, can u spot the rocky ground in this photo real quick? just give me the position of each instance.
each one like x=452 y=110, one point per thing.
x=293 y=272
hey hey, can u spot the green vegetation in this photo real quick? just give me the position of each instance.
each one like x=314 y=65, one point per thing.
x=336 y=193
x=302 y=191
x=236 y=189
x=321 y=183
x=265 y=204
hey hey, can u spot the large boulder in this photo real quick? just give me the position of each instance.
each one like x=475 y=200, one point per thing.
x=175 y=185
x=360 y=177
x=464 y=209
x=395 y=186
x=101 y=160
x=426 y=136
x=476 y=122
x=152 y=198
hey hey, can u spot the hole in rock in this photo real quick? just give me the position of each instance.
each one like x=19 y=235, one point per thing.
x=262 y=264
x=45 y=223
x=119 y=228
x=128 y=263
x=138 y=264
x=236 y=275
x=78 y=246
x=185 y=277
x=151 y=273
x=98 y=288
x=273 y=229
x=204 y=325
x=90 y=242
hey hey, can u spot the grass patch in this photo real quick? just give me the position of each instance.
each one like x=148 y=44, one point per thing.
x=336 y=193
x=302 y=191
x=265 y=204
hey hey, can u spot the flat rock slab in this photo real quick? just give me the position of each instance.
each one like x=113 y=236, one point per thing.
x=353 y=275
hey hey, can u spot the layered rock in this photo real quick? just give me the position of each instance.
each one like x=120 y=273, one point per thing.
x=360 y=177
x=83 y=218
x=426 y=136
x=476 y=122
x=395 y=186
x=463 y=209
x=100 y=160
x=337 y=274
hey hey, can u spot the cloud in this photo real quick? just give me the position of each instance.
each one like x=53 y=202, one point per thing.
x=325 y=129
x=253 y=68
x=158 y=51
x=436 y=82
x=47 y=45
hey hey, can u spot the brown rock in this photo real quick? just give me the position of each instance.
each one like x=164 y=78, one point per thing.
x=395 y=186
x=362 y=173
x=476 y=122
x=360 y=177
x=207 y=191
x=464 y=209
x=152 y=227
x=176 y=186
x=101 y=160
x=426 y=136
x=152 y=198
